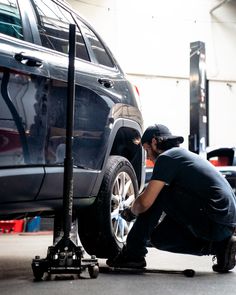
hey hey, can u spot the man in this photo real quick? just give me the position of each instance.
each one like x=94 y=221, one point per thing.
x=187 y=207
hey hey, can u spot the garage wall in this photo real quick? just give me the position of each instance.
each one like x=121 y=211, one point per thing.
x=165 y=100
x=151 y=41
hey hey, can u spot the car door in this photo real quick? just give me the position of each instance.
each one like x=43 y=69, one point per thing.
x=23 y=81
x=94 y=100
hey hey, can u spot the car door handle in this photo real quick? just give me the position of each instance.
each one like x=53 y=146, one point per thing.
x=106 y=82
x=28 y=60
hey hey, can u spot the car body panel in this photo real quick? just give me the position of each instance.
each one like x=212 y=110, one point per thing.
x=22 y=182
x=52 y=187
x=33 y=81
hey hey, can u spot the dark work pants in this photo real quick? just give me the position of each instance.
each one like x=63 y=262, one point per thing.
x=185 y=229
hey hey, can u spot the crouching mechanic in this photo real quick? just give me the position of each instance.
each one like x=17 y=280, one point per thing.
x=198 y=205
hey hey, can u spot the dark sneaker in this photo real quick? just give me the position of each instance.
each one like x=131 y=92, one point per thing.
x=122 y=260
x=226 y=256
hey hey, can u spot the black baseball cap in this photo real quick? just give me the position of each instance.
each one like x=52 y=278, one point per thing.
x=159 y=130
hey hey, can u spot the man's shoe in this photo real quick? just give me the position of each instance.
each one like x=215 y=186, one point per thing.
x=122 y=260
x=226 y=256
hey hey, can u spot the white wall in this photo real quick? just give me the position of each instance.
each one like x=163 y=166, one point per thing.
x=223 y=107
x=165 y=101
x=151 y=41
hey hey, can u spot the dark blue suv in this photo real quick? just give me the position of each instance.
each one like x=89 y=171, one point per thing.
x=108 y=162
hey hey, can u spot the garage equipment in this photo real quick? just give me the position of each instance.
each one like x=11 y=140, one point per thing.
x=8 y=226
x=198 y=139
x=187 y=272
x=65 y=257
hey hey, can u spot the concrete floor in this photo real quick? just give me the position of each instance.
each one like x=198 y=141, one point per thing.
x=17 y=251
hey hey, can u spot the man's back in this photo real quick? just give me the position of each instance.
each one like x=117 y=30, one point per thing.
x=197 y=177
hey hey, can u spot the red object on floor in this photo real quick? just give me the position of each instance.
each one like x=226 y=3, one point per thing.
x=8 y=226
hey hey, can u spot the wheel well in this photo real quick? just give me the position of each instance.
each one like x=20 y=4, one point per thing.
x=126 y=144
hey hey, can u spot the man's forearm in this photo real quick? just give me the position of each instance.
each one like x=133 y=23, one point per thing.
x=145 y=200
x=137 y=207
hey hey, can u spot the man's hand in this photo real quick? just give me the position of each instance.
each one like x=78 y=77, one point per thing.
x=127 y=214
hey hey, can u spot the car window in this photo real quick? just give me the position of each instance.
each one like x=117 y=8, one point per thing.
x=10 y=20
x=97 y=47
x=53 y=25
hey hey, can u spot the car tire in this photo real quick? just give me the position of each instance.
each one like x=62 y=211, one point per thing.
x=102 y=230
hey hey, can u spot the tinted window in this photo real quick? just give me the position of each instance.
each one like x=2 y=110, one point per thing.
x=10 y=21
x=53 y=24
x=98 y=49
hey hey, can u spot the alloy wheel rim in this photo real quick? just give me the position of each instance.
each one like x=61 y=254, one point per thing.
x=122 y=196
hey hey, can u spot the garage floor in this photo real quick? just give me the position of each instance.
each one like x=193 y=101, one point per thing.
x=17 y=251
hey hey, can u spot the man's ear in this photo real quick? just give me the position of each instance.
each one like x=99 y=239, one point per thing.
x=158 y=139
x=154 y=141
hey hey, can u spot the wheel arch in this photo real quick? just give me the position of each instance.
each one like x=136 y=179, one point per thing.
x=123 y=142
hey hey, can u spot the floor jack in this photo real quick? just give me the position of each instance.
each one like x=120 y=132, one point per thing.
x=65 y=257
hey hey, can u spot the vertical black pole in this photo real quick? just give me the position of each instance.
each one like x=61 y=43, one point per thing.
x=68 y=162
x=198 y=138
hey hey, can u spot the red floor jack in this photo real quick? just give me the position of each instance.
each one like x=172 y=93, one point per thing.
x=65 y=257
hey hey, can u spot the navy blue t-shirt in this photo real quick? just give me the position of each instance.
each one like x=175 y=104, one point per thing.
x=198 y=177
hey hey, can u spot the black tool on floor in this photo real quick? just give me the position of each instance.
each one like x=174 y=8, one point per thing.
x=65 y=257
x=187 y=272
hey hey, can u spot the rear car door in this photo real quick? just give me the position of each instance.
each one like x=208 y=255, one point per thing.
x=23 y=81
x=96 y=93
